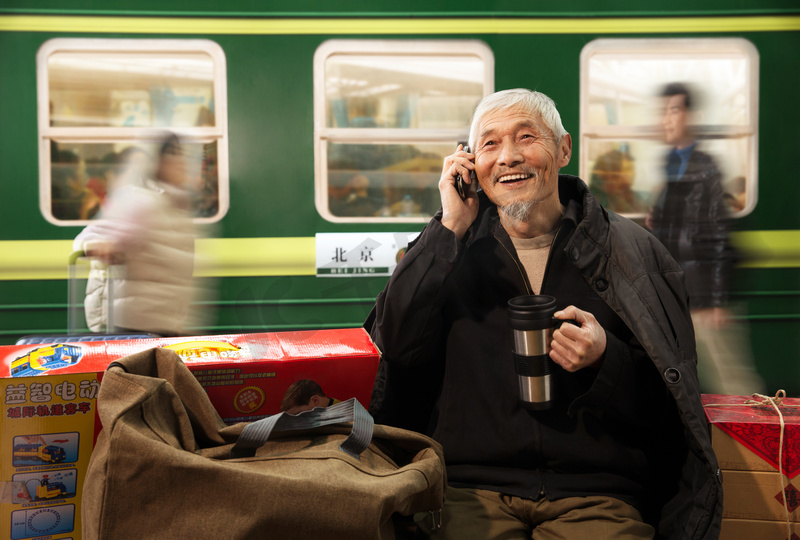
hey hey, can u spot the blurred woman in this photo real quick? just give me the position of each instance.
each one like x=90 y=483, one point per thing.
x=612 y=183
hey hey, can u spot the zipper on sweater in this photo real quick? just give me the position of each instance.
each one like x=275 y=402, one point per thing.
x=549 y=254
x=518 y=264
x=521 y=269
x=542 y=491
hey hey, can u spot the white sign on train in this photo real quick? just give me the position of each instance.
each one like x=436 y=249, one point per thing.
x=365 y=254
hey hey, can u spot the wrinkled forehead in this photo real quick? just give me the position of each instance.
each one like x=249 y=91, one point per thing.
x=511 y=119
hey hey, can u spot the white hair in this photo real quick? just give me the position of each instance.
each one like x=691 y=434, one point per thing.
x=536 y=104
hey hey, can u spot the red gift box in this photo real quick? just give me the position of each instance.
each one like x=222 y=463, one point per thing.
x=754 y=423
x=757 y=443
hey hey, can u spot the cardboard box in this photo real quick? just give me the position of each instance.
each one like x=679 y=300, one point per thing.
x=757 y=495
x=746 y=529
x=746 y=434
x=49 y=421
x=759 y=456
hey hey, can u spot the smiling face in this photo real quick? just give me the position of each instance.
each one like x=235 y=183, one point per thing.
x=518 y=159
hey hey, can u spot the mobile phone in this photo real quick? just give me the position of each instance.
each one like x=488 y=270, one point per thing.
x=463 y=188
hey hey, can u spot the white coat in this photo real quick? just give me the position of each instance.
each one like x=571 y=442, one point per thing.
x=149 y=226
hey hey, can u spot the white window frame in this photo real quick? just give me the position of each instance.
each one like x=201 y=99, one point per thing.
x=385 y=47
x=218 y=133
x=675 y=48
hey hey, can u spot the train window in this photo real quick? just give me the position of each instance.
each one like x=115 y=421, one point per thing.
x=625 y=135
x=386 y=113
x=104 y=104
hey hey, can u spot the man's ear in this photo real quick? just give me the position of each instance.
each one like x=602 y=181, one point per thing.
x=564 y=152
x=315 y=401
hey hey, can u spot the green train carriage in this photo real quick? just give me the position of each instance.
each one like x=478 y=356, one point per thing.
x=285 y=147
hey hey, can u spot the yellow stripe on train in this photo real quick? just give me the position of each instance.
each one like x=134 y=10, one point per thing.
x=296 y=256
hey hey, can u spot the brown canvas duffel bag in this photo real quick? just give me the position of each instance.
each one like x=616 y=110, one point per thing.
x=166 y=466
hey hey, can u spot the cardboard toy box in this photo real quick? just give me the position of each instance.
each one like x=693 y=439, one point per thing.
x=49 y=423
x=749 y=440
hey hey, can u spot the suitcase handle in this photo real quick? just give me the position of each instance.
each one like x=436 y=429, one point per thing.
x=73 y=299
x=256 y=434
x=72 y=296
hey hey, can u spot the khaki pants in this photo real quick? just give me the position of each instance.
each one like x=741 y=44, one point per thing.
x=478 y=514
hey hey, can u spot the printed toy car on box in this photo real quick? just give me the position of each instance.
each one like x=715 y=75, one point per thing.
x=42 y=359
x=49 y=420
x=757 y=443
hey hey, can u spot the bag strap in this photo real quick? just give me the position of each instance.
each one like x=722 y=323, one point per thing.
x=256 y=434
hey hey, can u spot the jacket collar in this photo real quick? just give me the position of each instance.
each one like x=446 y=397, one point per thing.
x=583 y=213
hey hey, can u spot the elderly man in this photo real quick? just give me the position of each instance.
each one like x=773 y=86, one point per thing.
x=624 y=450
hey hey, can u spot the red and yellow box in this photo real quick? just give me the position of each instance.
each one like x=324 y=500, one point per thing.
x=757 y=443
x=49 y=422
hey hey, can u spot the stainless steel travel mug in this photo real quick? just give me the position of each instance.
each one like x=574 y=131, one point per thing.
x=531 y=319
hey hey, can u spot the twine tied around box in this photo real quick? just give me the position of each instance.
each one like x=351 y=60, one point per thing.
x=776 y=402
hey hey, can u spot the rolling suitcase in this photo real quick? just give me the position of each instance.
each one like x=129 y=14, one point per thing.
x=77 y=331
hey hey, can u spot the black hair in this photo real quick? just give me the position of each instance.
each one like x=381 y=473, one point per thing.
x=169 y=144
x=300 y=393
x=678 y=89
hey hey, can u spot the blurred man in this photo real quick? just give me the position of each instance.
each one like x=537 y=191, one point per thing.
x=691 y=219
x=624 y=451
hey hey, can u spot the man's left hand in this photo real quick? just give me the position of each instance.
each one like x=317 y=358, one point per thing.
x=578 y=346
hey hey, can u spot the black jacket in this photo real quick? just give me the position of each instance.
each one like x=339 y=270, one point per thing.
x=691 y=219
x=446 y=370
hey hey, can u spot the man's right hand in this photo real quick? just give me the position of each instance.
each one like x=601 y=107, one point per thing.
x=458 y=214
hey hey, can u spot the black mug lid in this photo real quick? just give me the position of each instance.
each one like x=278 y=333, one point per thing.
x=532 y=307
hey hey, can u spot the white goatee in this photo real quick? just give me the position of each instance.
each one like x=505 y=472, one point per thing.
x=518 y=211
